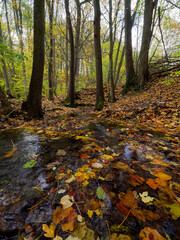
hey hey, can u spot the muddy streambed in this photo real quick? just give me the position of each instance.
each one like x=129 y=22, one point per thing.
x=22 y=189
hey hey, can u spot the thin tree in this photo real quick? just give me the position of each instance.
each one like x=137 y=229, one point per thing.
x=71 y=88
x=50 y=4
x=143 y=71
x=34 y=104
x=98 y=57
x=130 y=73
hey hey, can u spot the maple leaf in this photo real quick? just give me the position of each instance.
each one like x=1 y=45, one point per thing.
x=49 y=230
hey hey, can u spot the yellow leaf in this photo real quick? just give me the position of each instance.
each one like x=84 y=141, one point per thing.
x=162 y=176
x=9 y=154
x=49 y=230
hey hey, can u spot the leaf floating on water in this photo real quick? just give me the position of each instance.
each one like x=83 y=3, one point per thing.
x=9 y=154
x=49 y=230
x=148 y=233
x=29 y=164
x=100 y=193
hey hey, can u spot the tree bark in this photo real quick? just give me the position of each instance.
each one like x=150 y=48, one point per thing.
x=19 y=30
x=98 y=57
x=77 y=39
x=34 y=104
x=143 y=72
x=50 y=4
x=5 y=71
x=5 y=107
x=71 y=89
x=9 y=33
x=111 y=78
x=130 y=73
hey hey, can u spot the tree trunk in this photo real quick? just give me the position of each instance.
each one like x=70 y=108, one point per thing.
x=34 y=104
x=67 y=56
x=143 y=72
x=5 y=107
x=111 y=78
x=9 y=33
x=76 y=49
x=50 y=4
x=19 y=30
x=98 y=57
x=71 y=89
x=5 y=71
x=130 y=73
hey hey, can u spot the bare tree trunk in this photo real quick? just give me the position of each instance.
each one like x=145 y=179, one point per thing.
x=9 y=33
x=5 y=71
x=111 y=78
x=98 y=57
x=34 y=99
x=67 y=56
x=50 y=4
x=130 y=73
x=77 y=37
x=19 y=30
x=71 y=89
x=143 y=72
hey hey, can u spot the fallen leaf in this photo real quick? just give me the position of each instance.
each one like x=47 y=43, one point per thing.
x=145 y=198
x=67 y=201
x=148 y=233
x=162 y=176
x=114 y=236
x=100 y=193
x=152 y=183
x=29 y=164
x=66 y=217
x=174 y=210
x=61 y=152
x=49 y=230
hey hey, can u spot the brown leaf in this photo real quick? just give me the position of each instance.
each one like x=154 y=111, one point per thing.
x=66 y=217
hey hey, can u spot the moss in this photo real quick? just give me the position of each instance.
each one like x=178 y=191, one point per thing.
x=100 y=103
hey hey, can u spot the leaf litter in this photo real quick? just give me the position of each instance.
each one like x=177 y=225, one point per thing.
x=126 y=182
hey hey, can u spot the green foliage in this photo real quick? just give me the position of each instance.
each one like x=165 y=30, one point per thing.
x=10 y=55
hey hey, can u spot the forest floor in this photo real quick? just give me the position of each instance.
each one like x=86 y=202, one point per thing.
x=111 y=174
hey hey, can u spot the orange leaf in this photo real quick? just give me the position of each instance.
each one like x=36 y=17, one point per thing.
x=162 y=176
x=152 y=183
x=148 y=233
x=84 y=155
x=136 y=180
x=66 y=217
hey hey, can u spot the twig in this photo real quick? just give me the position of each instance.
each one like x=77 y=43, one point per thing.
x=108 y=230
x=124 y=219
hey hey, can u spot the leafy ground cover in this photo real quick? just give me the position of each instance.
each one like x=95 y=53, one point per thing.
x=119 y=177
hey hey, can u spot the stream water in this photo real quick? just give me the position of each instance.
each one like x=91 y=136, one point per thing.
x=18 y=185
